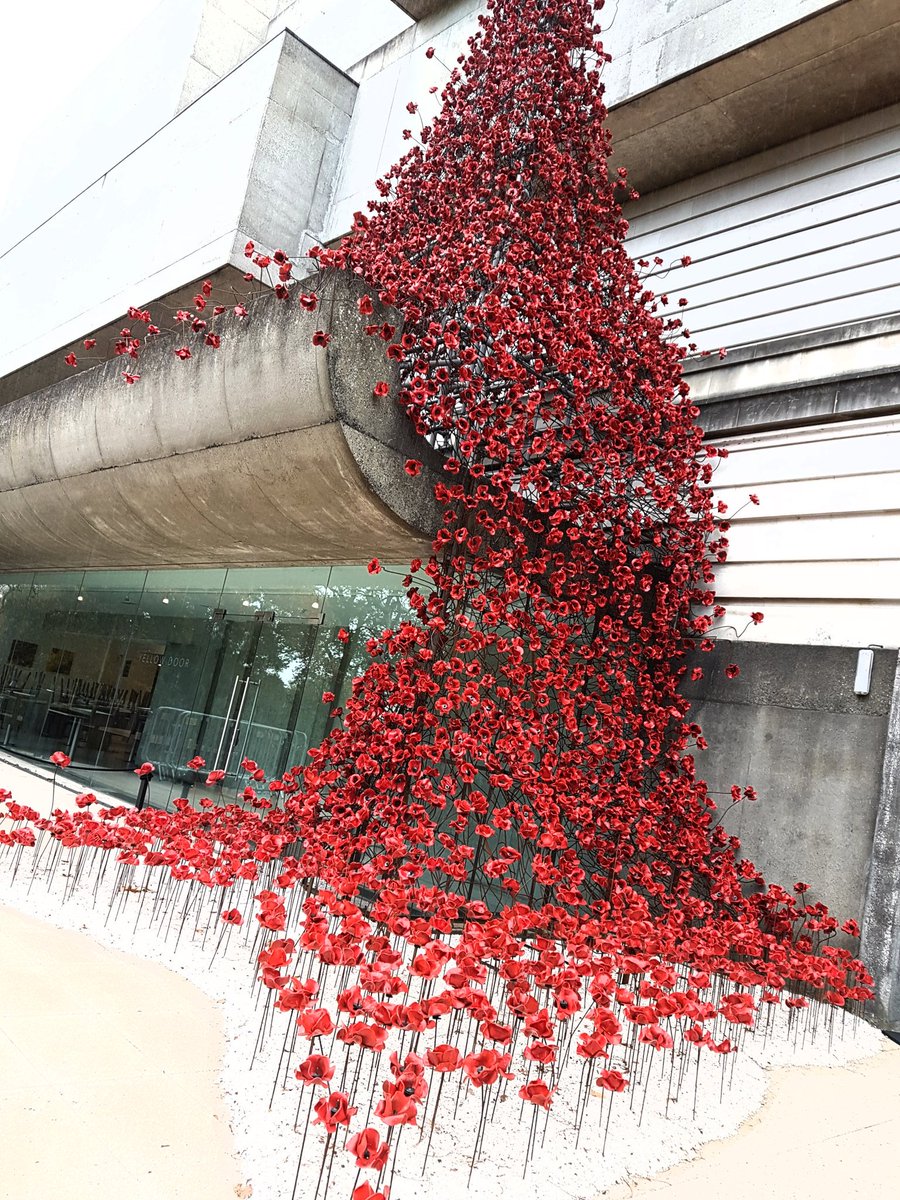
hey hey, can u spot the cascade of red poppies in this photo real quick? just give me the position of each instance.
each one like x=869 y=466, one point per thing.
x=521 y=748
x=509 y=789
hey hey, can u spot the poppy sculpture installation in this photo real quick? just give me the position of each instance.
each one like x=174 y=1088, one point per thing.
x=503 y=851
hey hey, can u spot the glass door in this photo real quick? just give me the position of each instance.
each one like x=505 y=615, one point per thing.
x=257 y=704
x=276 y=699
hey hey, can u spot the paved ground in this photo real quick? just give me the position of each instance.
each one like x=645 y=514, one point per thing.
x=108 y=1075
x=823 y=1134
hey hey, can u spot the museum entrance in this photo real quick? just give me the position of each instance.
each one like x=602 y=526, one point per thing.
x=120 y=667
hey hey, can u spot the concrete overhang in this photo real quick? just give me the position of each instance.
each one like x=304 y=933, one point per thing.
x=840 y=63
x=227 y=282
x=267 y=451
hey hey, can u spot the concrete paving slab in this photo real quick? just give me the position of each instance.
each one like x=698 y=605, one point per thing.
x=823 y=1132
x=108 y=1075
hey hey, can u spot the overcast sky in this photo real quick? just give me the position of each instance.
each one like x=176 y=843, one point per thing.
x=53 y=135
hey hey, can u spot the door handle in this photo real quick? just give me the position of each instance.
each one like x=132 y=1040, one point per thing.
x=226 y=719
x=249 y=720
x=237 y=723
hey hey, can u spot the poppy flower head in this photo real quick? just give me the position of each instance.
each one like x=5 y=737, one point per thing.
x=316 y=1070
x=332 y=1111
x=369 y=1151
x=612 y=1081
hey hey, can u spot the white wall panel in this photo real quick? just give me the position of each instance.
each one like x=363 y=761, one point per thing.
x=157 y=219
x=799 y=623
x=817 y=452
x=858 y=264
x=832 y=579
x=832 y=495
x=847 y=538
x=864 y=140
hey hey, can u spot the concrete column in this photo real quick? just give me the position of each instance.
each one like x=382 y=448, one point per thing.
x=881 y=916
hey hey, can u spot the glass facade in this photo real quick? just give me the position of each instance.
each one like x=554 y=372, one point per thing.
x=119 y=667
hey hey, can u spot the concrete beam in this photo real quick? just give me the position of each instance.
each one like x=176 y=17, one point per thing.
x=840 y=400
x=420 y=9
x=832 y=374
x=227 y=283
x=267 y=451
x=837 y=64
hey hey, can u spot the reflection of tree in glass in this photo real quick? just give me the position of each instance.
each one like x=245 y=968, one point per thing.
x=303 y=659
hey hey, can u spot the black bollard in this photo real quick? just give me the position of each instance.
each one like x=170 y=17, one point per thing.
x=143 y=790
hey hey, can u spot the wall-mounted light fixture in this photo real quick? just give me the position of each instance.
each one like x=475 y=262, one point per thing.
x=865 y=661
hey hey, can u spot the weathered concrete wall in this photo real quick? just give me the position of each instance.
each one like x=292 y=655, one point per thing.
x=266 y=451
x=228 y=33
x=791 y=726
x=655 y=41
x=291 y=180
x=419 y=9
x=881 y=917
x=133 y=88
x=344 y=31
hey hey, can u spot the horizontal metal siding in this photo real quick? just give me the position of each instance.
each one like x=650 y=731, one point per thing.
x=820 y=553
x=798 y=239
